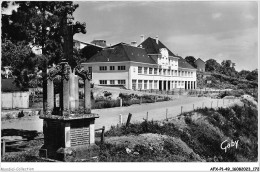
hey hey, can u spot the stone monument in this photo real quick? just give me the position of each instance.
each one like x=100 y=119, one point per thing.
x=69 y=132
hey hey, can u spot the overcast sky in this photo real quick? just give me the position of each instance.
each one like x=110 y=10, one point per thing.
x=219 y=30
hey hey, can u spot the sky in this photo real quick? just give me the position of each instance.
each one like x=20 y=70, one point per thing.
x=222 y=30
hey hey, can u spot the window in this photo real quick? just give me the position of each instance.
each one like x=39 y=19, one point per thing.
x=112 y=67
x=172 y=73
x=102 y=68
x=179 y=73
x=155 y=71
x=145 y=70
x=155 y=84
x=176 y=72
x=121 y=82
x=164 y=72
x=139 y=69
x=150 y=70
x=160 y=71
x=121 y=68
x=140 y=83
x=150 y=84
x=169 y=72
x=90 y=71
x=133 y=84
x=102 y=82
x=182 y=73
x=182 y=83
x=112 y=82
x=145 y=84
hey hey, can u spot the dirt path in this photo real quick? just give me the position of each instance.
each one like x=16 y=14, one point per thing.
x=108 y=117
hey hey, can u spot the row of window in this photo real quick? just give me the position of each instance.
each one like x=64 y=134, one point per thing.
x=111 y=82
x=154 y=84
x=103 y=68
x=156 y=71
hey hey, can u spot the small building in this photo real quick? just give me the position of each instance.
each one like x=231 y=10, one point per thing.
x=13 y=96
x=200 y=65
x=151 y=65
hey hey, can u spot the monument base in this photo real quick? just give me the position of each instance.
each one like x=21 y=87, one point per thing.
x=69 y=138
x=71 y=154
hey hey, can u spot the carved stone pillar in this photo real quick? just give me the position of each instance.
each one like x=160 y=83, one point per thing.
x=50 y=95
x=87 y=93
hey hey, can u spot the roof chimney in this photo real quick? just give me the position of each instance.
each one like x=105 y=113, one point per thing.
x=157 y=40
x=142 y=38
x=134 y=43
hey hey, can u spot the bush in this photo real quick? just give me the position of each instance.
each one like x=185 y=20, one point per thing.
x=20 y=114
x=188 y=119
x=107 y=94
x=105 y=104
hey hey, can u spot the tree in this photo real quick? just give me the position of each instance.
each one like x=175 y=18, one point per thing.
x=191 y=60
x=212 y=66
x=226 y=63
x=253 y=75
x=22 y=60
x=243 y=73
x=227 y=68
x=40 y=24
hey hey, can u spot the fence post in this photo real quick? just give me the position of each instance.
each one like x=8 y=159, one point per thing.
x=103 y=135
x=121 y=102
x=120 y=119
x=147 y=116
x=193 y=107
x=128 y=119
x=211 y=103
x=166 y=114
x=3 y=147
x=140 y=100
x=181 y=109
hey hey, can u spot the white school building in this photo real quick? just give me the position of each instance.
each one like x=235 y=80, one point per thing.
x=151 y=65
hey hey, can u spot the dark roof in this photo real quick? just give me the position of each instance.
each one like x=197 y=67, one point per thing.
x=152 y=47
x=184 y=64
x=125 y=52
x=200 y=60
x=122 y=52
x=8 y=85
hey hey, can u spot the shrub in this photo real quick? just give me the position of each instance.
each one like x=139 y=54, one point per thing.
x=107 y=94
x=187 y=119
x=105 y=104
x=20 y=114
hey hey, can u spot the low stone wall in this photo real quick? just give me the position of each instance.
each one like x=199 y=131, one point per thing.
x=11 y=114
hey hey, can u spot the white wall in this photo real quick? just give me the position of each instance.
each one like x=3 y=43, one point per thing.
x=109 y=74
x=131 y=73
x=15 y=100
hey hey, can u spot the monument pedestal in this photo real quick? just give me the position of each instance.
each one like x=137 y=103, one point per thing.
x=69 y=137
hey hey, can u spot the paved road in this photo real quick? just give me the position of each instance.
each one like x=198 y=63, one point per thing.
x=108 y=117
